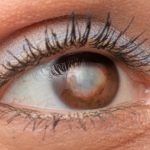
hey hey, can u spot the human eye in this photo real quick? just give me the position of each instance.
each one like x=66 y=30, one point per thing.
x=63 y=73
x=73 y=70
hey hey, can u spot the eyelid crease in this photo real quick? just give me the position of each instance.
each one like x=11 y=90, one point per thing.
x=127 y=50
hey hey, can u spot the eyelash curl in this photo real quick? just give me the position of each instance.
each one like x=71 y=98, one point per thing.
x=106 y=39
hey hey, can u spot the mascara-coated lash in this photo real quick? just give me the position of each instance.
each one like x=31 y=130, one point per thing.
x=79 y=34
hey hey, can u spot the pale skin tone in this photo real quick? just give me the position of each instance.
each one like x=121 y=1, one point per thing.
x=129 y=132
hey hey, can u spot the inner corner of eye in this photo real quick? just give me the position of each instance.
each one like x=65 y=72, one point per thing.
x=76 y=81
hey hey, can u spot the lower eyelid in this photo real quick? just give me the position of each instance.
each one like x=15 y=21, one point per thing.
x=121 y=118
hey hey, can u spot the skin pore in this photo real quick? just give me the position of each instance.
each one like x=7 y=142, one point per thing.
x=126 y=131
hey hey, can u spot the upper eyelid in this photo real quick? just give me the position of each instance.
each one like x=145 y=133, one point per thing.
x=122 y=40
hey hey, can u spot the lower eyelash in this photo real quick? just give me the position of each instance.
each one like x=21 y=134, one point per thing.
x=35 y=120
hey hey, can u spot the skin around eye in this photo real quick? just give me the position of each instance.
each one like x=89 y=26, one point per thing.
x=126 y=128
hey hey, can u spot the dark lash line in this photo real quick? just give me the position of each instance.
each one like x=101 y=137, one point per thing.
x=62 y=65
x=100 y=41
x=52 y=49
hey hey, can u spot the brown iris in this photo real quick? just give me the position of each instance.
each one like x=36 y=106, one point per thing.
x=91 y=81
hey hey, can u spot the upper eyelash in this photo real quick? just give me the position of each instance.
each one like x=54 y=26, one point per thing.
x=74 y=37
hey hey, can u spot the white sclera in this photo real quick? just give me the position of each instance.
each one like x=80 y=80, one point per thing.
x=35 y=88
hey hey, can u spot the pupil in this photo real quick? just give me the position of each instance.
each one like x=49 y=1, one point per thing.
x=86 y=81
